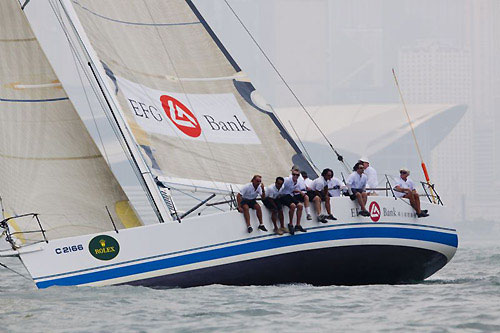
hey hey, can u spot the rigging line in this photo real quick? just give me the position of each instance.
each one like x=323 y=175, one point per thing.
x=339 y=157
x=424 y=168
x=303 y=147
x=113 y=123
x=75 y=60
x=183 y=88
x=13 y=271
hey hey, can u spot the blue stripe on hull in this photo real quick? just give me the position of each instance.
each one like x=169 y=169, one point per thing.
x=266 y=244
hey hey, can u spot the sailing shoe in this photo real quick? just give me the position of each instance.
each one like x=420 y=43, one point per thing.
x=309 y=217
x=249 y=229
x=262 y=227
x=322 y=218
x=290 y=229
x=422 y=214
x=283 y=230
x=364 y=213
x=299 y=228
x=425 y=211
x=278 y=231
x=331 y=217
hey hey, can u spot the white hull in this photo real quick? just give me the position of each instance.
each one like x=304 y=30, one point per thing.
x=201 y=250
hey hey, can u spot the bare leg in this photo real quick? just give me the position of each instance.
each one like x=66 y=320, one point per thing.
x=258 y=210
x=328 y=206
x=360 y=200
x=299 y=212
x=281 y=217
x=291 y=212
x=365 y=199
x=274 y=218
x=246 y=214
x=317 y=204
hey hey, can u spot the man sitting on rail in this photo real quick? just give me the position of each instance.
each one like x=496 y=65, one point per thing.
x=356 y=182
x=320 y=188
x=405 y=188
x=273 y=203
x=290 y=189
x=247 y=198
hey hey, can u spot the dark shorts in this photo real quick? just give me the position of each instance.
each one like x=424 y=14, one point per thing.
x=321 y=195
x=357 y=190
x=311 y=194
x=272 y=204
x=288 y=200
x=250 y=202
x=298 y=198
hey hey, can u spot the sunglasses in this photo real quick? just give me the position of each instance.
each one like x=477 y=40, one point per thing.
x=403 y=172
x=295 y=174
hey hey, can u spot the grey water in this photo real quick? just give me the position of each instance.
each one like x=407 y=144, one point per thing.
x=463 y=297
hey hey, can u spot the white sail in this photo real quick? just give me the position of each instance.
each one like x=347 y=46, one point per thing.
x=48 y=162
x=188 y=104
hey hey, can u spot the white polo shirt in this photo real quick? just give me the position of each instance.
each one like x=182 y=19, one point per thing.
x=371 y=174
x=335 y=186
x=289 y=186
x=356 y=181
x=249 y=192
x=403 y=184
x=319 y=184
x=308 y=182
x=273 y=192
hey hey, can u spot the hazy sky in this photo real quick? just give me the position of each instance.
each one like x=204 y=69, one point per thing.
x=342 y=52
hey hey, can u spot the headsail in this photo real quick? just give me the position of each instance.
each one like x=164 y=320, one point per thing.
x=48 y=162
x=190 y=107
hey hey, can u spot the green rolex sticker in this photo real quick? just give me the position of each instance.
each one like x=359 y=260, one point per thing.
x=104 y=247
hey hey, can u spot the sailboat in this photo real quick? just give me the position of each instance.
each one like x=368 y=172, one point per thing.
x=111 y=113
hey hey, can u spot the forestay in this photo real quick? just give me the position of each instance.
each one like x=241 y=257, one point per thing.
x=188 y=104
x=48 y=162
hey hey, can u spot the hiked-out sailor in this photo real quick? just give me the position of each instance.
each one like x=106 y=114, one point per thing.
x=300 y=192
x=272 y=202
x=288 y=198
x=405 y=188
x=356 y=182
x=247 y=198
x=371 y=174
x=335 y=187
x=320 y=188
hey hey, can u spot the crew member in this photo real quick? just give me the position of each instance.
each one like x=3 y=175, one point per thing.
x=273 y=203
x=247 y=198
x=356 y=182
x=320 y=188
x=405 y=188
x=290 y=189
x=309 y=192
x=371 y=174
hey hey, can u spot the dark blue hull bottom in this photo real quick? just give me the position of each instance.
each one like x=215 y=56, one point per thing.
x=347 y=265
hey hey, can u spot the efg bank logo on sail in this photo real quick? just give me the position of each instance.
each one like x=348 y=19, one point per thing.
x=204 y=117
x=180 y=116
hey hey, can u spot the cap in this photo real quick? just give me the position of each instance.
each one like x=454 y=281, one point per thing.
x=364 y=159
x=404 y=169
x=295 y=167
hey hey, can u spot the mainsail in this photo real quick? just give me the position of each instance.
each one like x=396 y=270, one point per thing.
x=48 y=162
x=188 y=104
